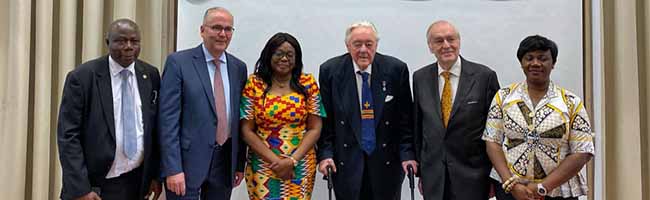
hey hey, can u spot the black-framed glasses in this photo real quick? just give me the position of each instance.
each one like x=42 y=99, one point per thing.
x=281 y=54
x=219 y=28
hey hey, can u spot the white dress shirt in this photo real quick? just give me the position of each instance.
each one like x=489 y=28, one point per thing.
x=122 y=164
x=223 y=70
x=360 y=80
x=454 y=77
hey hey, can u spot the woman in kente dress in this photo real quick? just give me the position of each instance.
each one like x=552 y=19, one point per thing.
x=281 y=114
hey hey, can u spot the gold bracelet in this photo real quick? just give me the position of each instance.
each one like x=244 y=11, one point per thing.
x=510 y=183
x=295 y=162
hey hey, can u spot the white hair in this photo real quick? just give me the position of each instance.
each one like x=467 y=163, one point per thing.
x=364 y=24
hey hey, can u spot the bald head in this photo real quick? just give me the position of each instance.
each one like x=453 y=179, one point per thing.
x=441 y=24
x=123 y=40
x=120 y=25
x=444 y=42
x=213 y=10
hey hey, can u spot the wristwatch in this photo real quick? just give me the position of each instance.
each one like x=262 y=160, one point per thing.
x=541 y=190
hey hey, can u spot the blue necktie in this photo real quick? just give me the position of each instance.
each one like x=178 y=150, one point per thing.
x=367 y=115
x=129 y=138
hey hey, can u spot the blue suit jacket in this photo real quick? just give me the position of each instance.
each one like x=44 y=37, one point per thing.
x=187 y=118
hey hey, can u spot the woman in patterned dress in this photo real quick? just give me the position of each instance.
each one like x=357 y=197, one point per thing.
x=281 y=114
x=537 y=133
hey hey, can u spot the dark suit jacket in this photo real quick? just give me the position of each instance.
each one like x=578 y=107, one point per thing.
x=341 y=133
x=457 y=148
x=188 y=120
x=86 y=127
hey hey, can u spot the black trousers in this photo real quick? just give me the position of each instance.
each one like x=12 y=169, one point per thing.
x=125 y=187
x=366 y=192
x=502 y=195
x=217 y=185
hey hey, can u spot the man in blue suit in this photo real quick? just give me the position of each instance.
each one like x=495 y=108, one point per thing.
x=202 y=155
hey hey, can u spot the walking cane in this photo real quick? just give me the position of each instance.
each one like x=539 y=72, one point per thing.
x=411 y=181
x=329 y=181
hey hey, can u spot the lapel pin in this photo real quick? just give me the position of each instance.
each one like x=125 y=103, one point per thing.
x=144 y=76
x=383 y=84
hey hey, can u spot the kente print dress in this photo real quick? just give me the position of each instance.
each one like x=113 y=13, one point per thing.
x=281 y=123
x=535 y=139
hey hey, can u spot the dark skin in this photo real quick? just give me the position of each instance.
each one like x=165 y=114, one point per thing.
x=123 y=41
x=282 y=63
x=537 y=66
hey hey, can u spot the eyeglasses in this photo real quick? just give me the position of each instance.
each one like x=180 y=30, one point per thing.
x=281 y=54
x=219 y=28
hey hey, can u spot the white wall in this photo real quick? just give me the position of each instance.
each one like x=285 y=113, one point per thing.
x=490 y=33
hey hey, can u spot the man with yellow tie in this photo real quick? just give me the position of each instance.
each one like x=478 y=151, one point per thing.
x=451 y=99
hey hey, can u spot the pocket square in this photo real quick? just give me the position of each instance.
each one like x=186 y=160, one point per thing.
x=388 y=98
x=472 y=102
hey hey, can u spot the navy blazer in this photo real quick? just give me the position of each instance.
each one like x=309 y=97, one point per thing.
x=188 y=120
x=341 y=133
x=86 y=126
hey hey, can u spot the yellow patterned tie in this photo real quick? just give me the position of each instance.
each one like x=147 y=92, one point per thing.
x=445 y=103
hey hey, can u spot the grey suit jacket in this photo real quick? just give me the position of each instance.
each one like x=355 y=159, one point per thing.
x=457 y=152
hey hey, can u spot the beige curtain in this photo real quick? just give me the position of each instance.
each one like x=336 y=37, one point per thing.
x=626 y=58
x=40 y=42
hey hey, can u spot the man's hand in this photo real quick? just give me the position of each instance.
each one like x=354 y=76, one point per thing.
x=411 y=163
x=154 y=187
x=239 y=176
x=176 y=183
x=89 y=196
x=283 y=168
x=322 y=166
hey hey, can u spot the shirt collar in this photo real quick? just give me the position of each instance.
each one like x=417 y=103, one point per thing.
x=116 y=68
x=357 y=69
x=455 y=68
x=210 y=58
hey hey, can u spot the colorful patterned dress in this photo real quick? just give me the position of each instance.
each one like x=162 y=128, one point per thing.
x=281 y=123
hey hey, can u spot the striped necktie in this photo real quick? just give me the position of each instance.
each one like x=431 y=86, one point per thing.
x=367 y=115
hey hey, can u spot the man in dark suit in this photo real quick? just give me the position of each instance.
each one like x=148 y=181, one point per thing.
x=451 y=99
x=366 y=137
x=106 y=133
x=202 y=154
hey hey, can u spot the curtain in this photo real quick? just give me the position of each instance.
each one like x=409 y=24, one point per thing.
x=40 y=42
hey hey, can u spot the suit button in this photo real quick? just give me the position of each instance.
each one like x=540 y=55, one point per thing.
x=383 y=145
x=387 y=123
x=387 y=162
x=345 y=145
x=342 y=123
x=341 y=163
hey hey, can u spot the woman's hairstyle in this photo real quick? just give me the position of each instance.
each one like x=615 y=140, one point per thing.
x=263 y=68
x=536 y=43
